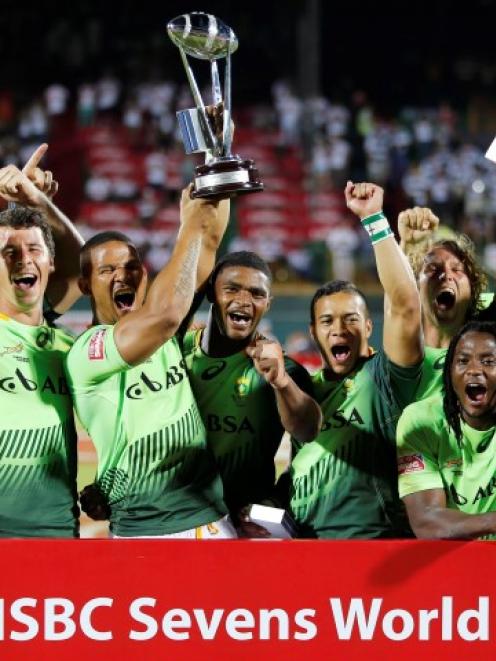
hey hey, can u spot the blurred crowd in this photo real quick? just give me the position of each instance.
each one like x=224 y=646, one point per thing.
x=131 y=166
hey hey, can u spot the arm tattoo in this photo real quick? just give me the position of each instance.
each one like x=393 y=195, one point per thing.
x=186 y=280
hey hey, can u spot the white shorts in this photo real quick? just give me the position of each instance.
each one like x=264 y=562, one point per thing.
x=221 y=529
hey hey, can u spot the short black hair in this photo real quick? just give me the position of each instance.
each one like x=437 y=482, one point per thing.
x=240 y=258
x=334 y=287
x=451 y=404
x=97 y=240
x=20 y=218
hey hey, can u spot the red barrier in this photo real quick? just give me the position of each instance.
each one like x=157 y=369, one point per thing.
x=246 y=600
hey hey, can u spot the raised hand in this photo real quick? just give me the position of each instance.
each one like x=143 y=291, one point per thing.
x=268 y=360
x=416 y=225
x=42 y=179
x=363 y=199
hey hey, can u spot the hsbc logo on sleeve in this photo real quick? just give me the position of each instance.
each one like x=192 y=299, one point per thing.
x=96 y=345
x=410 y=463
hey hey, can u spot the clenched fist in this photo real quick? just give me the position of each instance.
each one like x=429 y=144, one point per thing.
x=268 y=360
x=417 y=225
x=363 y=199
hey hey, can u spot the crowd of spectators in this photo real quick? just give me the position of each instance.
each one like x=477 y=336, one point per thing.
x=132 y=166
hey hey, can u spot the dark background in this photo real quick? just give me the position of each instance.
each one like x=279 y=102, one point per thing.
x=397 y=52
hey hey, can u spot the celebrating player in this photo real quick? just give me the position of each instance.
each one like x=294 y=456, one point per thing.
x=131 y=389
x=344 y=482
x=248 y=392
x=446 y=458
x=37 y=437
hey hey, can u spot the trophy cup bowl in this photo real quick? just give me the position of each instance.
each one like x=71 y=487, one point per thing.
x=205 y=37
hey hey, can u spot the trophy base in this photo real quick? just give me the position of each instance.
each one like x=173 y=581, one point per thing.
x=226 y=177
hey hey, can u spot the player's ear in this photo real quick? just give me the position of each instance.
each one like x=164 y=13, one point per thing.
x=368 y=327
x=84 y=286
x=311 y=329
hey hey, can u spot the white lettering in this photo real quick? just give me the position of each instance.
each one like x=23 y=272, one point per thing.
x=356 y=612
x=481 y=616
x=52 y=618
x=143 y=618
x=309 y=628
x=208 y=629
x=283 y=621
x=17 y=614
x=425 y=618
x=175 y=619
x=447 y=618
x=407 y=624
x=240 y=618
x=85 y=618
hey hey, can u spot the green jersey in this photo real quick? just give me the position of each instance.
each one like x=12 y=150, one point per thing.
x=239 y=409
x=431 y=381
x=429 y=457
x=38 y=445
x=344 y=481
x=153 y=462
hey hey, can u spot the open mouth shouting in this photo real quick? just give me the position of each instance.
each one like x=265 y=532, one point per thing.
x=446 y=300
x=476 y=393
x=239 y=320
x=25 y=281
x=341 y=353
x=124 y=298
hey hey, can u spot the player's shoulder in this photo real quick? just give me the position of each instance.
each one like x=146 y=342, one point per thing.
x=426 y=413
x=91 y=341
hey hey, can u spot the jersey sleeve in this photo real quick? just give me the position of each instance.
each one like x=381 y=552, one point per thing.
x=94 y=357
x=417 y=450
x=299 y=375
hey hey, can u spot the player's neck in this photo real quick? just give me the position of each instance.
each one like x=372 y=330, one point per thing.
x=438 y=337
x=29 y=317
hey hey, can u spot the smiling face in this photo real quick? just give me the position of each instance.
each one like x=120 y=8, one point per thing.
x=444 y=287
x=473 y=376
x=25 y=265
x=116 y=282
x=242 y=297
x=341 y=330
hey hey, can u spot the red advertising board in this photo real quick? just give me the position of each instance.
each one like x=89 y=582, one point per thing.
x=147 y=599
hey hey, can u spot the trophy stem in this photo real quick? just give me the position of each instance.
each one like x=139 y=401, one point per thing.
x=216 y=91
x=198 y=99
x=227 y=132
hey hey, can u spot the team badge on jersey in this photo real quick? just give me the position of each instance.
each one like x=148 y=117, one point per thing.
x=410 y=463
x=96 y=345
x=241 y=389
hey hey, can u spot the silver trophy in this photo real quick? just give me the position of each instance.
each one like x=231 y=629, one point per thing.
x=205 y=37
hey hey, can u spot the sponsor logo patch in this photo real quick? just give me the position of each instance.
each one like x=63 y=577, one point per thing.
x=96 y=345
x=410 y=463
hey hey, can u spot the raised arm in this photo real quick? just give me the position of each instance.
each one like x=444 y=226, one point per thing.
x=416 y=228
x=211 y=241
x=430 y=518
x=402 y=336
x=138 y=334
x=34 y=188
x=300 y=414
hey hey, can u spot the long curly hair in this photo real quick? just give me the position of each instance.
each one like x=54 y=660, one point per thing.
x=462 y=248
